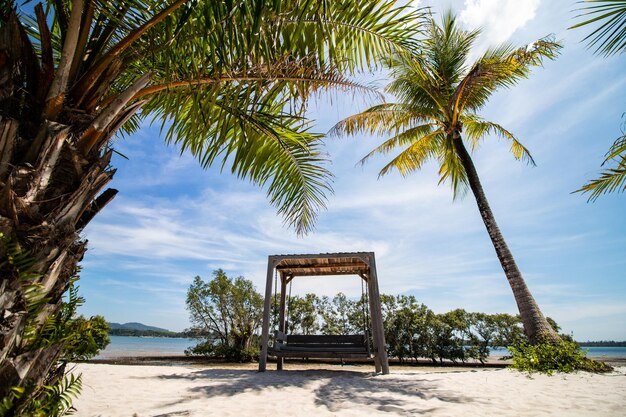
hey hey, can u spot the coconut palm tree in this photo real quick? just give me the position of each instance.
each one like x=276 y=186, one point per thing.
x=609 y=38
x=227 y=79
x=436 y=118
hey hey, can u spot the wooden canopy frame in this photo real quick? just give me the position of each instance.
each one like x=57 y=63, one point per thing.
x=288 y=267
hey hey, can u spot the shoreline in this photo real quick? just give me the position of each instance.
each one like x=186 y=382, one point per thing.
x=494 y=362
x=491 y=362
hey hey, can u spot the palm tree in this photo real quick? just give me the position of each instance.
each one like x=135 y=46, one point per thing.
x=227 y=79
x=609 y=39
x=439 y=96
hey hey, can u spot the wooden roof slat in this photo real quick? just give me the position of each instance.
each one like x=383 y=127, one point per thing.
x=343 y=263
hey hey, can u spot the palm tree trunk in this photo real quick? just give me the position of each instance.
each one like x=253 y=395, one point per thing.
x=535 y=324
x=44 y=204
x=49 y=191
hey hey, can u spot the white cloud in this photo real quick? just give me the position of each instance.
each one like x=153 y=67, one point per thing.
x=499 y=19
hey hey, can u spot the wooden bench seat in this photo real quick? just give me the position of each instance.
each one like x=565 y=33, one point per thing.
x=321 y=346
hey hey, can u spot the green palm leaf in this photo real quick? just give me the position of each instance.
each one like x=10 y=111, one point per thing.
x=424 y=146
x=500 y=67
x=612 y=179
x=383 y=118
x=610 y=37
x=476 y=129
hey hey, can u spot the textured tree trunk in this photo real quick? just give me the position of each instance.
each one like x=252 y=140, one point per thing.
x=535 y=324
x=44 y=204
x=49 y=191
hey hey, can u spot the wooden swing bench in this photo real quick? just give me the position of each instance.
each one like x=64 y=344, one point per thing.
x=321 y=346
x=288 y=267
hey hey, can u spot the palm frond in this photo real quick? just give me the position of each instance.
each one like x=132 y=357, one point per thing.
x=451 y=169
x=408 y=137
x=500 y=67
x=611 y=179
x=618 y=148
x=383 y=118
x=412 y=158
x=270 y=148
x=358 y=37
x=240 y=72
x=476 y=129
x=60 y=396
x=610 y=37
x=447 y=49
x=413 y=86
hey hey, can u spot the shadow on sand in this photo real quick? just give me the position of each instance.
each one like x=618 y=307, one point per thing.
x=334 y=390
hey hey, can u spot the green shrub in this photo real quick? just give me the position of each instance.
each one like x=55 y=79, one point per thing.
x=223 y=351
x=547 y=357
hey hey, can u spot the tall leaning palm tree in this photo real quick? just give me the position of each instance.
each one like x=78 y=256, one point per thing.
x=436 y=118
x=227 y=79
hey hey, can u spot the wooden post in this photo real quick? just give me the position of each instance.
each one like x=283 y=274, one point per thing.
x=373 y=334
x=378 y=329
x=374 y=320
x=281 y=316
x=271 y=263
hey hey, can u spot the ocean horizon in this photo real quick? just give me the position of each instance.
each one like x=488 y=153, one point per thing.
x=134 y=346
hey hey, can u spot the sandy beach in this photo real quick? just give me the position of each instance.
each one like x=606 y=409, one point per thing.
x=333 y=390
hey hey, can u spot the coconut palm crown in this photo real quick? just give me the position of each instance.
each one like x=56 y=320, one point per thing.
x=436 y=116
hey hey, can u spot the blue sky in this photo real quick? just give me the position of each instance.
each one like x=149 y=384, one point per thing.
x=172 y=220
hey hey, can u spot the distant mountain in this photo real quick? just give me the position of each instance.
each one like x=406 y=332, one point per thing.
x=136 y=326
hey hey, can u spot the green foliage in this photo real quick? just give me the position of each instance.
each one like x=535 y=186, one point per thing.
x=549 y=357
x=87 y=338
x=338 y=315
x=78 y=338
x=211 y=349
x=609 y=37
x=302 y=314
x=82 y=338
x=612 y=179
x=50 y=401
x=228 y=311
x=413 y=331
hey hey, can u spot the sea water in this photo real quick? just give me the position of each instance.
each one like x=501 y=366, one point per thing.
x=122 y=346
x=592 y=351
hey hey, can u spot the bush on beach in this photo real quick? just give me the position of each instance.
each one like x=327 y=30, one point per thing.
x=548 y=357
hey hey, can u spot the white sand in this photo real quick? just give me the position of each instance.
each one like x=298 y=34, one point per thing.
x=172 y=391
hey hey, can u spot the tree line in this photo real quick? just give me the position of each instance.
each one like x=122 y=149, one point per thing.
x=228 y=312
x=151 y=333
